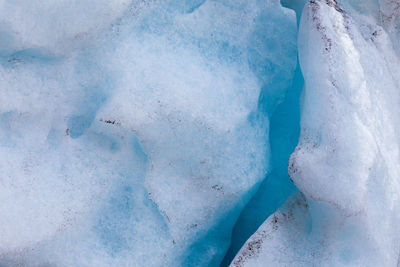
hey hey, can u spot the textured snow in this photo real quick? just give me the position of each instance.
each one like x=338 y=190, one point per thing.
x=346 y=162
x=132 y=133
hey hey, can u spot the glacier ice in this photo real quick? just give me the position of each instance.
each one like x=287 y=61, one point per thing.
x=276 y=187
x=346 y=163
x=132 y=133
x=163 y=133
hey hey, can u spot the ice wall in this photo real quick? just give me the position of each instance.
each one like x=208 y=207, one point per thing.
x=346 y=162
x=132 y=133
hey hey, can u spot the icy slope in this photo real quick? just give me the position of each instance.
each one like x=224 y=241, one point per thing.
x=132 y=133
x=346 y=164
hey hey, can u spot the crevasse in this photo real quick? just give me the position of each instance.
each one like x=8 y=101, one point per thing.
x=346 y=162
x=161 y=133
x=276 y=187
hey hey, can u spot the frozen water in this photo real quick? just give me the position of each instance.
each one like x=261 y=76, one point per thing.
x=346 y=162
x=160 y=133
x=54 y=26
x=132 y=133
x=277 y=187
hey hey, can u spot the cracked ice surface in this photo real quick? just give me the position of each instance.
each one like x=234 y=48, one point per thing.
x=347 y=161
x=132 y=133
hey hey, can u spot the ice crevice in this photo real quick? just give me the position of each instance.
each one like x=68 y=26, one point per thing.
x=161 y=133
x=341 y=164
x=276 y=187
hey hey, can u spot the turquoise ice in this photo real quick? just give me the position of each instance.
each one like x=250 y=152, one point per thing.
x=199 y=133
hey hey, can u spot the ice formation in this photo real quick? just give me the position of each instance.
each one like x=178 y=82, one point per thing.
x=346 y=163
x=158 y=133
x=133 y=133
